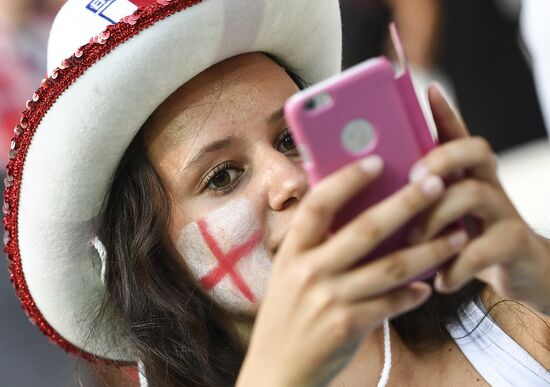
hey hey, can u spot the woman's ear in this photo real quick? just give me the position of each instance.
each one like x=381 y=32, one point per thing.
x=448 y=121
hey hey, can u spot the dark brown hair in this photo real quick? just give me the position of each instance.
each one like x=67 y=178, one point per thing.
x=183 y=337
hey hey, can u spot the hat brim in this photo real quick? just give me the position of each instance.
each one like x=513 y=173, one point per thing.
x=79 y=123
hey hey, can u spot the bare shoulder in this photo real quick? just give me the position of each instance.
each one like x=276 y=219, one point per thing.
x=526 y=326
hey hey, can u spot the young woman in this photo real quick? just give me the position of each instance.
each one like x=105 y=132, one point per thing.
x=163 y=143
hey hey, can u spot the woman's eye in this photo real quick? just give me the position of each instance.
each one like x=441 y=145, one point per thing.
x=222 y=179
x=287 y=143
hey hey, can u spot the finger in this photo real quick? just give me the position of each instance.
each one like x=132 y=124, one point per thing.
x=357 y=238
x=383 y=274
x=391 y=305
x=466 y=197
x=495 y=247
x=447 y=120
x=318 y=208
x=471 y=154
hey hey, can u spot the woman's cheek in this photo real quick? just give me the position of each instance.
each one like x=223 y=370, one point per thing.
x=226 y=253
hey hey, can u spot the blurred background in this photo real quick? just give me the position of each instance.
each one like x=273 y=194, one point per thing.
x=492 y=56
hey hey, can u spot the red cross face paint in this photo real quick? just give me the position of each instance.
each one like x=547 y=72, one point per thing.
x=226 y=253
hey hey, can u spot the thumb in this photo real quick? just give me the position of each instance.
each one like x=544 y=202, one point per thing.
x=447 y=120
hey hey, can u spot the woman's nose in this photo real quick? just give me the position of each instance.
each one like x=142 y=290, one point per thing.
x=287 y=183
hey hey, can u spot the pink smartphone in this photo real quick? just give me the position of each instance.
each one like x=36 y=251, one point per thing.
x=367 y=109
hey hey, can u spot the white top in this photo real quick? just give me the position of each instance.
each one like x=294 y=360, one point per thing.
x=495 y=355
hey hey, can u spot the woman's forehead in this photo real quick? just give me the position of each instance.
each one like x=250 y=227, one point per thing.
x=237 y=91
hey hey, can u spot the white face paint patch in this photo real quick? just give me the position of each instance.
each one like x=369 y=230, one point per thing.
x=226 y=253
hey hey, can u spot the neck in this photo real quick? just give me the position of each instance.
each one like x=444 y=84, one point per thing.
x=371 y=353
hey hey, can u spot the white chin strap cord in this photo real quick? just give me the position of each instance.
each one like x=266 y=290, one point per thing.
x=102 y=251
x=385 y=374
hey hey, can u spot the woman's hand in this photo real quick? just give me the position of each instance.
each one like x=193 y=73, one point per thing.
x=320 y=304
x=506 y=254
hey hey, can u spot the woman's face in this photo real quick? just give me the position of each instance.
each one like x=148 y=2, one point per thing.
x=222 y=148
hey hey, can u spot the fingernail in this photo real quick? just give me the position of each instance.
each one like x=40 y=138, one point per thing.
x=445 y=94
x=439 y=86
x=438 y=284
x=421 y=290
x=450 y=101
x=372 y=164
x=432 y=186
x=418 y=172
x=458 y=239
x=442 y=91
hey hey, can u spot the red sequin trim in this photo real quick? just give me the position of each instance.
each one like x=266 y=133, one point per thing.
x=49 y=91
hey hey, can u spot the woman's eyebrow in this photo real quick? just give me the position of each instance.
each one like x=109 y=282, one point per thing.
x=273 y=118
x=276 y=116
x=211 y=147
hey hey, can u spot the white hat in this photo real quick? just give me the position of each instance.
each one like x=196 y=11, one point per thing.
x=80 y=121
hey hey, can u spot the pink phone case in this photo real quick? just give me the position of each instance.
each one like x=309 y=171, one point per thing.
x=365 y=110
